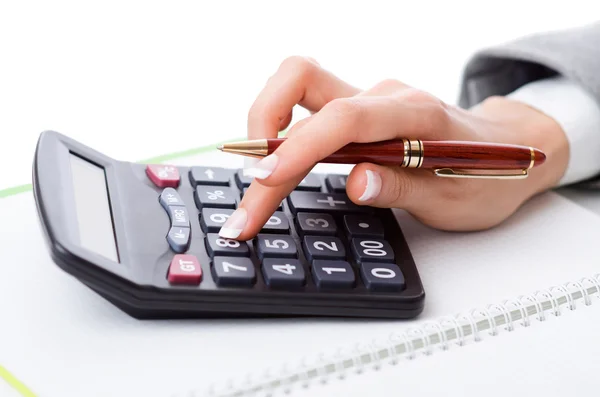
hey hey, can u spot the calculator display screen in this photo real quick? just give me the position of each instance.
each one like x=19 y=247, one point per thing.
x=92 y=207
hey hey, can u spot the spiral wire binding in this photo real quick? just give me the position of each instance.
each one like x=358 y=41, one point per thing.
x=424 y=339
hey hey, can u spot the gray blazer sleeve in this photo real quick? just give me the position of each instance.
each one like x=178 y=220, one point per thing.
x=499 y=70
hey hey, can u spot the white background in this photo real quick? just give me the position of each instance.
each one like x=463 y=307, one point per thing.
x=139 y=79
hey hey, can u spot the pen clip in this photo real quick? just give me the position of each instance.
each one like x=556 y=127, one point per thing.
x=482 y=174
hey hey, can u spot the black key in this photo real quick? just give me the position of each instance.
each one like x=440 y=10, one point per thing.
x=333 y=274
x=313 y=223
x=321 y=202
x=363 y=226
x=336 y=183
x=276 y=245
x=277 y=223
x=232 y=271
x=210 y=176
x=281 y=272
x=311 y=182
x=280 y=208
x=216 y=245
x=169 y=197
x=214 y=197
x=179 y=239
x=179 y=216
x=382 y=276
x=211 y=219
x=372 y=250
x=323 y=247
x=242 y=180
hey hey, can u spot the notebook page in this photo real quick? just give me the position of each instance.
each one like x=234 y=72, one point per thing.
x=61 y=339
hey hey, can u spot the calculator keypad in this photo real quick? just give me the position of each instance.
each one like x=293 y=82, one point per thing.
x=328 y=240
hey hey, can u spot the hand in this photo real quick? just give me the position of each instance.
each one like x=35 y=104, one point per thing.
x=342 y=114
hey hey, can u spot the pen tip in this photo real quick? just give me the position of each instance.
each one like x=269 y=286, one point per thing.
x=540 y=157
x=220 y=147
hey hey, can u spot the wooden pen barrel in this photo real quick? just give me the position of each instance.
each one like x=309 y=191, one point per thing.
x=434 y=154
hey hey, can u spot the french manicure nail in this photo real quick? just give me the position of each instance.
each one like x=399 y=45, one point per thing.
x=373 y=186
x=263 y=168
x=235 y=224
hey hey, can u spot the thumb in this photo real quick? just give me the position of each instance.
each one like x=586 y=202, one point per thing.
x=388 y=187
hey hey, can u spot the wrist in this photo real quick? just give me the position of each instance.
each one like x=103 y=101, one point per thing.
x=521 y=124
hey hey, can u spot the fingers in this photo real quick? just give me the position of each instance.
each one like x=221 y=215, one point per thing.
x=390 y=187
x=356 y=119
x=298 y=81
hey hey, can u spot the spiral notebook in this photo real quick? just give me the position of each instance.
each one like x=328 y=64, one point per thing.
x=554 y=300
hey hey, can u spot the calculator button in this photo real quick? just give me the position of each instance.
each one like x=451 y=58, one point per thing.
x=184 y=269
x=242 y=180
x=336 y=183
x=216 y=245
x=233 y=271
x=209 y=176
x=211 y=219
x=363 y=226
x=372 y=250
x=280 y=272
x=310 y=182
x=275 y=245
x=321 y=202
x=333 y=274
x=168 y=197
x=163 y=175
x=382 y=276
x=179 y=216
x=179 y=239
x=314 y=223
x=280 y=208
x=323 y=247
x=214 y=197
x=277 y=223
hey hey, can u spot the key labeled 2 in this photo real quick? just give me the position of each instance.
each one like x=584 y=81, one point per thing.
x=323 y=247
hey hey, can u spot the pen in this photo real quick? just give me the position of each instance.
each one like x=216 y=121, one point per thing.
x=458 y=159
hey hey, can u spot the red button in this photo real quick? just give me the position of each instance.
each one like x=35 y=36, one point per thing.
x=185 y=269
x=163 y=175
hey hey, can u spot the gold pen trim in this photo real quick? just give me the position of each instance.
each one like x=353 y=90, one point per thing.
x=481 y=174
x=532 y=158
x=254 y=148
x=406 y=158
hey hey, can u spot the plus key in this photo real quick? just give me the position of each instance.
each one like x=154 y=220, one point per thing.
x=322 y=202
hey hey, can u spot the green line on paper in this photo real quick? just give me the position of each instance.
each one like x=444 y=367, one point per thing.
x=15 y=383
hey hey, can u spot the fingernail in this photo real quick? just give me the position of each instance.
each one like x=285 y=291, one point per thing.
x=263 y=168
x=234 y=225
x=250 y=162
x=373 y=186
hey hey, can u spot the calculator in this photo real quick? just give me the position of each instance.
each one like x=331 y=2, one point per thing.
x=145 y=237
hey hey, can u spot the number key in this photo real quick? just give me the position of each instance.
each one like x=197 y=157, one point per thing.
x=372 y=250
x=277 y=223
x=323 y=247
x=382 y=276
x=216 y=245
x=280 y=208
x=214 y=196
x=332 y=274
x=280 y=272
x=271 y=245
x=313 y=223
x=211 y=219
x=232 y=271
